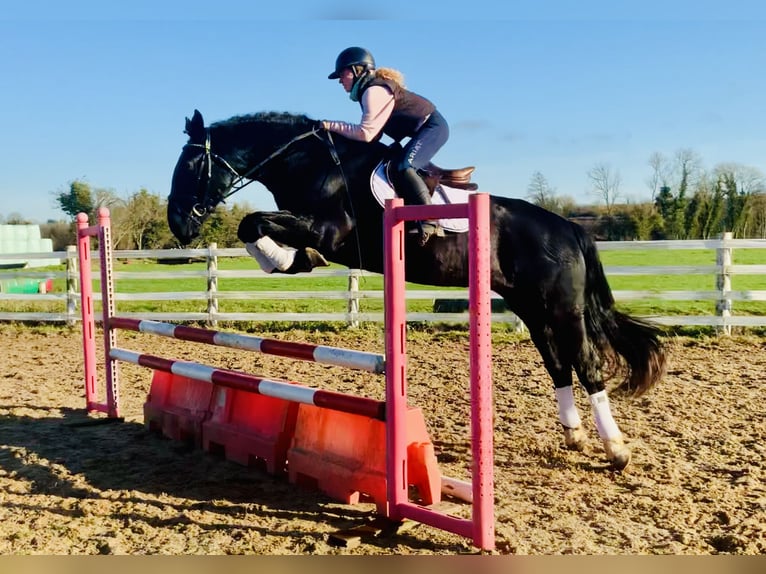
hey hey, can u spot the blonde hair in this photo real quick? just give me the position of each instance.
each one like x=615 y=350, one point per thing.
x=390 y=74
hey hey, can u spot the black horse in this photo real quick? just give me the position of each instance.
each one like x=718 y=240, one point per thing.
x=545 y=267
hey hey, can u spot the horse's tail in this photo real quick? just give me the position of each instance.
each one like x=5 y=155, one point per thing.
x=637 y=342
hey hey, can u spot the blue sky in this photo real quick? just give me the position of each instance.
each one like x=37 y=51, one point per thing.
x=95 y=91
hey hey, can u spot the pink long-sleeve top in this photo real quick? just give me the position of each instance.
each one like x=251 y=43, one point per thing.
x=377 y=105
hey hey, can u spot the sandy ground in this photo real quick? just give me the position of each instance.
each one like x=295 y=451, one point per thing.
x=695 y=485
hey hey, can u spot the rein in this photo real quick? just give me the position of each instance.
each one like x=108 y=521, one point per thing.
x=242 y=180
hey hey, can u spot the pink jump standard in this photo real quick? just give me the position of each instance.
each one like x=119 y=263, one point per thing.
x=102 y=232
x=480 y=528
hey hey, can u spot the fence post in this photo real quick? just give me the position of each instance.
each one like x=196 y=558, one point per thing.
x=723 y=281
x=212 y=284
x=72 y=286
x=353 y=298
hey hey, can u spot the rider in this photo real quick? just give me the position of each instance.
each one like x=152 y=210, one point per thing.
x=389 y=108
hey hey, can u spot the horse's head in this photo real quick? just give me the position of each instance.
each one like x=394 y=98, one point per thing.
x=200 y=182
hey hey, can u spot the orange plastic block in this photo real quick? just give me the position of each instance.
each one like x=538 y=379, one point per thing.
x=250 y=429
x=176 y=406
x=344 y=456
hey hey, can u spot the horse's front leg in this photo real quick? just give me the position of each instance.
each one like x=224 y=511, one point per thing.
x=281 y=242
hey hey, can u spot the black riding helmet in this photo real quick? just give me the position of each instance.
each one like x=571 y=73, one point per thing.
x=353 y=56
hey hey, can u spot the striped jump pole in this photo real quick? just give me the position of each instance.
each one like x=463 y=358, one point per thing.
x=370 y=362
x=268 y=387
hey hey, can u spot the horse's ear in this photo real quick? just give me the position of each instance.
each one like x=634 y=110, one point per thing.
x=195 y=127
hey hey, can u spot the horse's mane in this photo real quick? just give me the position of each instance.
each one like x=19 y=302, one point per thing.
x=281 y=118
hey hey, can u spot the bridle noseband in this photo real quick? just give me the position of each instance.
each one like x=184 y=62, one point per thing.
x=204 y=206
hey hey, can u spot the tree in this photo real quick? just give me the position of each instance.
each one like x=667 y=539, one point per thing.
x=644 y=221
x=567 y=205
x=696 y=211
x=746 y=179
x=60 y=233
x=541 y=193
x=687 y=171
x=78 y=198
x=106 y=198
x=714 y=220
x=15 y=218
x=758 y=230
x=221 y=227
x=139 y=222
x=81 y=198
x=664 y=202
x=605 y=183
x=659 y=177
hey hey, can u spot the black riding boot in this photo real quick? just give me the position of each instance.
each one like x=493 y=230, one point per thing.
x=412 y=189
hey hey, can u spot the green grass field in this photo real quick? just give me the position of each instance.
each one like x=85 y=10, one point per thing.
x=657 y=283
x=610 y=258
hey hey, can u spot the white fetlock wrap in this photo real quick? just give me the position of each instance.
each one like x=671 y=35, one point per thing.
x=263 y=261
x=568 y=415
x=607 y=428
x=270 y=255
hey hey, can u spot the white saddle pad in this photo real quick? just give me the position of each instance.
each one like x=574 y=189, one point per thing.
x=382 y=190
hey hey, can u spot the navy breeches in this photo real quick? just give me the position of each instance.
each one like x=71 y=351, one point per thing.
x=424 y=144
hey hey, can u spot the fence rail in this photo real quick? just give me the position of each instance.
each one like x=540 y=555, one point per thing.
x=723 y=270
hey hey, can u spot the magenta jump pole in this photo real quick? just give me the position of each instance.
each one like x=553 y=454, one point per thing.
x=481 y=527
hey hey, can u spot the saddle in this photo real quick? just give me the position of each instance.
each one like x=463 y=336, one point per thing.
x=457 y=178
x=433 y=175
x=382 y=189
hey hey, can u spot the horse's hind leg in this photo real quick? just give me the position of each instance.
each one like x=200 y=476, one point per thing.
x=588 y=369
x=560 y=371
x=575 y=437
x=564 y=346
x=576 y=350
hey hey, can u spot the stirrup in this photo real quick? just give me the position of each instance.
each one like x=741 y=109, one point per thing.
x=414 y=227
x=427 y=230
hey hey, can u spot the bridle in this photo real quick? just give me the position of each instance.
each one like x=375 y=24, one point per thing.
x=204 y=206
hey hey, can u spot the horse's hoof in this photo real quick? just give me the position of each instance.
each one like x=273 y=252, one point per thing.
x=315 y=258
x=617 y=453
x=575 y=439
x=305 y=260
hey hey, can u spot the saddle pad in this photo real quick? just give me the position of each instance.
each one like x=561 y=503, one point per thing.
x=382 y=190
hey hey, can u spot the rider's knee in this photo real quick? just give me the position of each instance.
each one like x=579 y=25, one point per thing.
x=403 y=164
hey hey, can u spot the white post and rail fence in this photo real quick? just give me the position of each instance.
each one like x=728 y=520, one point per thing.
x=28 y=286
